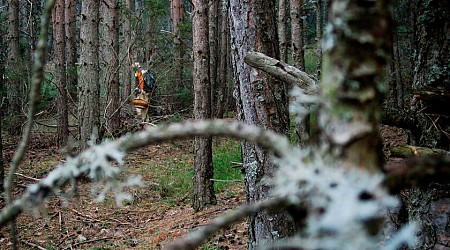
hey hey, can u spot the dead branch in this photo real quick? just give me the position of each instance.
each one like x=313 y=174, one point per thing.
x=418 y=171
x=282 y=71
x=193 y=240
x=79 y=166
x=34 y=95
x=404 y=151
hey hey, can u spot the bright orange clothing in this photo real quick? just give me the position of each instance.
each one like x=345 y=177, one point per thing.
x=140 y=78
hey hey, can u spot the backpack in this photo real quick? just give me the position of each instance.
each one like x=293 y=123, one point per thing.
x=149 y=82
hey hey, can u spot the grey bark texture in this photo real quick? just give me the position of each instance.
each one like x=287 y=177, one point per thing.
x=429 y=205
x=261 y=101
x=356 y=51
x=89 y=88
x=204 y=171
x=60 y=72
x=109 y=61
x=13 y=83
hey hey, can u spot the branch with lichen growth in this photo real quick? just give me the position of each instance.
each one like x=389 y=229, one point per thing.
x=194 y=240
x=282 y=71
x=100 y=160
x=36 y=82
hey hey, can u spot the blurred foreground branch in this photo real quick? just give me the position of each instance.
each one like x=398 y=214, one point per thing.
x=103 y=158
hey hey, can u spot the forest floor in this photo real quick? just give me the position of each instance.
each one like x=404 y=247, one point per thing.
x=152 y=220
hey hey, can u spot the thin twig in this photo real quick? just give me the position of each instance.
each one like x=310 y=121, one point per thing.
x=33 y=245
x=193 y=240
x=27 y=177
x=88 y=241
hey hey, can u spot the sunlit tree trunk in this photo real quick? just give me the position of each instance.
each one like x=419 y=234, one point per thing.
x=260 y=100
x=88 y=80
x=71 y=46
x=204 y=171
x=59 y=47
x=109 y=61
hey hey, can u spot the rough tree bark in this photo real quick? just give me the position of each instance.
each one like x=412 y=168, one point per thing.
x=13 y=84
x=177 y=13
x=109 y=61
x=60 y=72
x=204 y=171
x=260 y=100
x=319 y=31
x=126 y=48
x=302 y=128
x=89 y=88
x=213 y=50
x=70 y=18
x=429 y=106
x=222 y=73
x=356 y=53
x=282 y=22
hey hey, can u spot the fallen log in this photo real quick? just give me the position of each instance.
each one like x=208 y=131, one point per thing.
x=404 y=151
x=418 y=171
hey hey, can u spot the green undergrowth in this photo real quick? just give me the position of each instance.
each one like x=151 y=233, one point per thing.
x=175 y=176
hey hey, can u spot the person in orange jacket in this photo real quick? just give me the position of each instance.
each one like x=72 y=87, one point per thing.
x=146 y=84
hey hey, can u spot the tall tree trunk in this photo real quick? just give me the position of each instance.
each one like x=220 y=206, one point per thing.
x=126 y=48
x=283 y=28
x=89 y=88
x=221 y=92
x=204 y=171
x=319 y=31
x=109 y=61
x=71 y=46
x=60 y=72
x=302 y=128
x=213 y=50
x=260 y=100
x=353 y=68
x=177 y=12
x=431 y=75
x=14 y=85
x=298 y=34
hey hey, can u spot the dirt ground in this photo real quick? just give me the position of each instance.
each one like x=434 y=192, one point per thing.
x=149 y=222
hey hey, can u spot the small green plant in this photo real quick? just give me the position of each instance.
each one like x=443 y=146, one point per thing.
x=176 y=118
x=226 y=151
x=209 y=247
x=175 y=178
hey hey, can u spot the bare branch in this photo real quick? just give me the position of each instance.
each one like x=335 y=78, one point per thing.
x=193 y=240
x=81 y=165
x=281 y=71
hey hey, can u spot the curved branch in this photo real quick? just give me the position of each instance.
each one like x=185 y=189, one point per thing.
x=281 y=71
x=76 y=167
